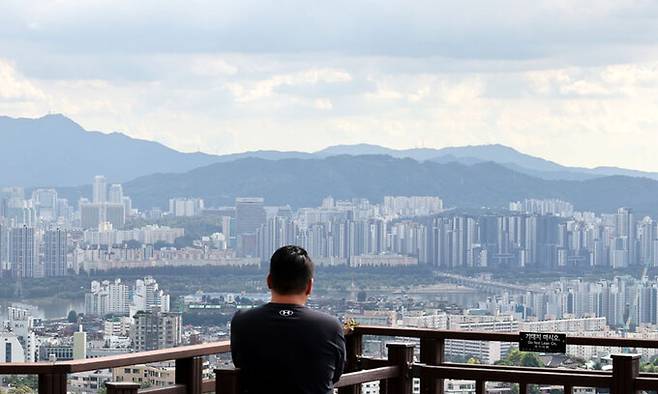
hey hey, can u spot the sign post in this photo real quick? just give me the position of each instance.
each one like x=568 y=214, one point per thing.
x=542 y=342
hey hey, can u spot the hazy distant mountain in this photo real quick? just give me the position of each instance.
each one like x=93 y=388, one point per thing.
x=54 y=150
x=368 y=149
x=501 y=154
x=305 y=182
x=265 y=154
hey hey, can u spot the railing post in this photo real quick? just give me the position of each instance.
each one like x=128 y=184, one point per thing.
x=122 y=387
x=189 y=372
x=480 y=387
x=354 y=348
x=52 y=383
x=402 y=355
x=523 y=387
x=625 y=368
x=568 y=389
x=432 y=352
x=227 y=381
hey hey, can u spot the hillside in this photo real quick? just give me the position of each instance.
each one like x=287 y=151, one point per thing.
x=54 y=150
x=302 y=182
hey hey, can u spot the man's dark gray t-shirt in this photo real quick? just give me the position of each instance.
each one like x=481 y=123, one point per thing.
x=286 y=348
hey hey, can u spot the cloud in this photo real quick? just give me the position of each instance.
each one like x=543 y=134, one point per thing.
x=254 y=90
x=15 y=87
x=576 y=82
x=497 y=29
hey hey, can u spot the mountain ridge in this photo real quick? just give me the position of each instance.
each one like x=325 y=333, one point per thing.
x=304 y=182
x=56 y=151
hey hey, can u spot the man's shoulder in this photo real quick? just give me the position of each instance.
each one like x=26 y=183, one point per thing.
x=322 y=316
x=243 y=314
x=268 y=311
x=324 y=319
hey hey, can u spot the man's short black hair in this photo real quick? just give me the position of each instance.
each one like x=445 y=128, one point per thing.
x=290 y=270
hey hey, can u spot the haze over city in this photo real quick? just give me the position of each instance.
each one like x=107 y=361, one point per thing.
x=350 y=196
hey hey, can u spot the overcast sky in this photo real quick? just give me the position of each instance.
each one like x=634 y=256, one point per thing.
x=571 y=81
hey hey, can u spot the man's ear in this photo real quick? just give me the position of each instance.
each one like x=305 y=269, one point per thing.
x=309 y=287
x=269 y=281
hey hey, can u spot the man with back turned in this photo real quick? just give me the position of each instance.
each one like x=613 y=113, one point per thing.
x=283 y=346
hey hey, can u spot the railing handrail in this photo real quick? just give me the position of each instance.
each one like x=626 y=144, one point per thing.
x=432 y=368
x=120 y=360
x=368 y=375
x=432 y=333
x=129 y=359
x=531 y=375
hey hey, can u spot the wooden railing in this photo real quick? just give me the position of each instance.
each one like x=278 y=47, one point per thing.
x=395 y=374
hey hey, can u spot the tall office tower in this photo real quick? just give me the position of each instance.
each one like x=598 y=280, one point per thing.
x=54 y=252
x=156 y=330
x=100 y=189
x=116 y=193
x=249 y=214
x=45 y=203
x=625 y=234
x=228 y=229
x=22 y=252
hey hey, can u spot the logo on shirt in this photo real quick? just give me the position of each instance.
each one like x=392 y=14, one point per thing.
x=285 y=312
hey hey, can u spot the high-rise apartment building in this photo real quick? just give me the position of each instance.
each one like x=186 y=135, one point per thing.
x=148 y=296
x=99 y=211
x=624 y=253
x=22 y=252
x=21 y=323
x=107 y=297
x=99 y=190
x=115 y=214
x=116 y=194
x=277 y=232
x=4 y=248
x=54 y=252
x=156 y=330
x=45 y=204
x=186 y=206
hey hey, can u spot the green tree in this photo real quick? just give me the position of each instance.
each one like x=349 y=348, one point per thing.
x=18 y=381
x=532 y=389
x=72 y=317
x=523 y=359
x=531 y=360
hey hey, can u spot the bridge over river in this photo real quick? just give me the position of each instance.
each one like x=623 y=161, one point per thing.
x=484 y=284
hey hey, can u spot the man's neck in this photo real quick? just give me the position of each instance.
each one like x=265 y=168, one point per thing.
x=296 y=299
